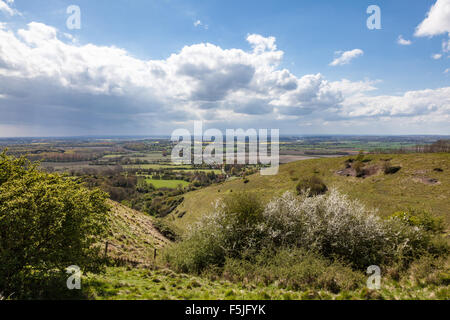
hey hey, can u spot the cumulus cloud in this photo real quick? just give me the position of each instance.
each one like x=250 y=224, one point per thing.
x=40 y=70
x=345 y=57
x=411 y=103
x=437 y=21
x=403 y=42
x=260 y=43
x=6 y=7
x=313 y=93
x=52 y=85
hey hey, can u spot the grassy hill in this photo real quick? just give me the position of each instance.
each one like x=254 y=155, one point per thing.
x=135 y=234
x=132 y=234
x=423 y=183
x=418 y=184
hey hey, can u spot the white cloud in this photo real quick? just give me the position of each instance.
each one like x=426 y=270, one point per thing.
x=198 y=23
x=47 y=82
x=436 y=56
x=261 y=44
x=437 y=20
x=5 y=6
x=36 y=63
x=411 y=103
x=447 y=70
x=446 y=45
x=403 y=42
x=351 y=88
x=346 y=56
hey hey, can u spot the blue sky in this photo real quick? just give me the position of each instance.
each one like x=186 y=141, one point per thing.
x=309 y=34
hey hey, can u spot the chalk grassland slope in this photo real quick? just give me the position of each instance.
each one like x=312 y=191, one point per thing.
x=132 y=234
x=417 y=185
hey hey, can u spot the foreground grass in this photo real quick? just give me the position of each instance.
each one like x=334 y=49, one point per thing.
x=120 y=283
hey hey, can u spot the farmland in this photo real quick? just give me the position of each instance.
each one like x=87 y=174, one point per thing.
x=170 y=184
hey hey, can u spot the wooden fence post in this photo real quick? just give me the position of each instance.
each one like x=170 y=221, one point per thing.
x=106 y=249
x=154 y=255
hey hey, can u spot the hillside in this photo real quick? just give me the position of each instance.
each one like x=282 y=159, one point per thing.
x=423 y=183
x=132 y=234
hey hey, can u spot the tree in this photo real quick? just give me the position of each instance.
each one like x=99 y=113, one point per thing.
x=48 y=222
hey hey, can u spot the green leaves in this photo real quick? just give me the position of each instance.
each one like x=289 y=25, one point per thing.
x=47 y=222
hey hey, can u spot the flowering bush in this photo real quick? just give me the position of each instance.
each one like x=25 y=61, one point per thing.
x=330 y=224
x=336 y=226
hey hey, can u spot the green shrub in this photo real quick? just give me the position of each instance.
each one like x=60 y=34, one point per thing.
x=293 y=269
x=231 y=231
x=422 y=219
x=167 y=229
x=197 y=252
x=312 y=186
x=47 y=222
x=243 y=208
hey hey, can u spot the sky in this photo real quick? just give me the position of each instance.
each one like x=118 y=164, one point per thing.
x=148 y=67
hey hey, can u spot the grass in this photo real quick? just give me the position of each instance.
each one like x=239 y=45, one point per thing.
x=155 y=166
x=172 y=184
x=121 y=283
x=134 y=237
x=216 y=171
x=132 y=234
x=388 y=193
x=118 y=283
x=112 y=156
x=171 y=167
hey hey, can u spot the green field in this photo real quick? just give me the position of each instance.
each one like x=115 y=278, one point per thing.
x=387 y=193
x=216 y=171
x=112 y=156
x=171 y=167
x=155 y=166
x=172 y=184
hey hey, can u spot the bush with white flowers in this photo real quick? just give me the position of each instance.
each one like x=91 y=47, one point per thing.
x=330 y=224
